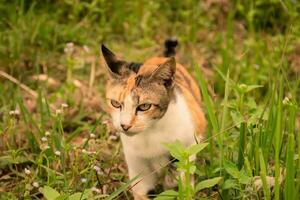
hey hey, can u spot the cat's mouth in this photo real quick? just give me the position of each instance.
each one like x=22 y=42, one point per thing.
x=130 y=134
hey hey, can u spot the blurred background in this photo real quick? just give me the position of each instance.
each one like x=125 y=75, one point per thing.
x=52 y=76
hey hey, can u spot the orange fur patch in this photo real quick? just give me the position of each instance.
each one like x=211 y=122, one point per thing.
x=188 y=87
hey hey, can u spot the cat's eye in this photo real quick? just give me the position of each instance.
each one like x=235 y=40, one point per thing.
x=144 y=107
x=115 y=104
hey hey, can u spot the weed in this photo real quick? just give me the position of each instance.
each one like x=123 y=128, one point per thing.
x=55 y=141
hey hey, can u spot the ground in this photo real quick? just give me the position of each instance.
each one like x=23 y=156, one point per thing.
x=56 y=138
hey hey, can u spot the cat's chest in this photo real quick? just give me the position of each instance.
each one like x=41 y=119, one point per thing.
x=176 y=124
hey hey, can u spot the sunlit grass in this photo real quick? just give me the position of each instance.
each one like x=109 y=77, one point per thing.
x=54 y=136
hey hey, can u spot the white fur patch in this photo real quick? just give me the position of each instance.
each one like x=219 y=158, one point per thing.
x=175 y=124
x=128 y=110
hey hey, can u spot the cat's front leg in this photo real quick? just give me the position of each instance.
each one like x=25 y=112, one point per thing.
x=146 y=180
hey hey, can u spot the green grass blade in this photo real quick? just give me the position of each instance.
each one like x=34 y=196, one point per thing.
x=289 y=189
x=242 y=145
x=263 y=176
x=116 y=193
x=209 y=107
x=207 y=101
x=298 y=168
x=224 y=120
x=278 y=137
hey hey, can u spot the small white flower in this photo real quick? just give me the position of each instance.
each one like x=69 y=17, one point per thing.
x=58 y=111
x=70 y=45
x=286 y=101
x=84 y=151
x=47 y=133
x=58 y=153
x=14 y=112
x=112 y=137
x=92 y=135
x=96 y=168
x=94 y=189
x=69 y=49
x=83 y=180
x=27 y=171
x=256 y=66
x=35 y=184
x=44 y=139
x=17 y=112
x=86 y=48
x=64 y=105
x=243 y=86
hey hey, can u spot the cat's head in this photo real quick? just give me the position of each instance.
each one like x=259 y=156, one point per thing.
x=136 y=98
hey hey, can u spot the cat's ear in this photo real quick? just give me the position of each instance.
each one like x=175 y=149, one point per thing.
x=165 y=72
x=114 y=65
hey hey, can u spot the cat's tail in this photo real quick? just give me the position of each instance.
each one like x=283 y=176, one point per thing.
x=170 y=45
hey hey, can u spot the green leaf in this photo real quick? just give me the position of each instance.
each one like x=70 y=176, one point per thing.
x=192 y=169
x=177 y=149
x=62 y=197
x=207 y=183
x=252 y=87
x=192 y=150
x=76 y=196
x=232 y=169
x=167 y=195
x=237 y=117
x=228 y=184
x=81 y=196
x=49 y=193
x=244 y=178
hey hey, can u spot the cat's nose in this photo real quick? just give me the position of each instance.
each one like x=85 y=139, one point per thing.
x=125 y=127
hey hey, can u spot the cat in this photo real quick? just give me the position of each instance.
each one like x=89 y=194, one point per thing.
x=152 y=103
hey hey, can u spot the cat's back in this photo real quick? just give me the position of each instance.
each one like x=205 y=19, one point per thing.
x=184 y=84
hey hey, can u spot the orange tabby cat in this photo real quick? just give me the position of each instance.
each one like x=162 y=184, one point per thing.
x=152 y=103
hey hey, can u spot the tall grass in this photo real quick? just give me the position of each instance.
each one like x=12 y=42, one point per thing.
x=54 y=141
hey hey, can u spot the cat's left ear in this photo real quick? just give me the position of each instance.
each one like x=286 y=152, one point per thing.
x=113 y=63
x=165 y=72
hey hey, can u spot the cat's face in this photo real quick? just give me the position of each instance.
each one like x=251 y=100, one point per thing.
x=137 y=100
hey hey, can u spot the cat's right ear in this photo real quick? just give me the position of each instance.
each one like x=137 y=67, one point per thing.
x=114 y=65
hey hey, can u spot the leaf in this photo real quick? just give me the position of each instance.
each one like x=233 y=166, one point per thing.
x=49 y=193
x=252 y=87
x=232 y=169
x=207 y=183
x=62 y=197
x=192 y=169
x=167 y=195
x=192 y=150
x=244 y=178
x=237 y=117
x=81 y=196
x=176 y=149
x=76 y=196
x=228 y=184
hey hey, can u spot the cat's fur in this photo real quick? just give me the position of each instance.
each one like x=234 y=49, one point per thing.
x=174 y=113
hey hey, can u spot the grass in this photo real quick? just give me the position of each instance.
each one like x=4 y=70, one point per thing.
x=54 y=137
